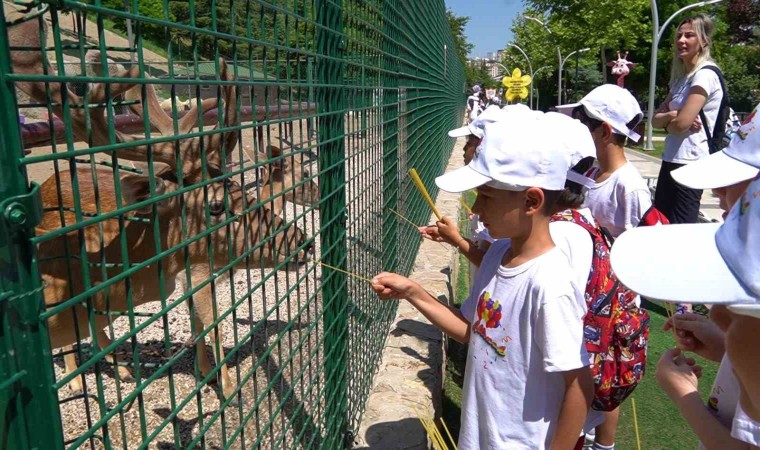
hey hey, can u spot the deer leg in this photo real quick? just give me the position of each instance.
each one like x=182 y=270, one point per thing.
x=121 y=371
x=70 y=363
x=203 y=318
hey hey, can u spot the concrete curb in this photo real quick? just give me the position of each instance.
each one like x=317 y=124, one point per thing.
x=411 y=373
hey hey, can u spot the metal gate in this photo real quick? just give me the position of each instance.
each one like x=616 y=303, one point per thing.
x=202 y=238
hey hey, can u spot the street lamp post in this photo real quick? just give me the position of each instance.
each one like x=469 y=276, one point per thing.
x=561 y=65
x=559 y=57
x=657 y=33
x=530 y=68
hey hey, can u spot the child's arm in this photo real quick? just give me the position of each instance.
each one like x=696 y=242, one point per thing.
x=678 y=377
x=579 y=390
x=447 y=319
x=446 y=231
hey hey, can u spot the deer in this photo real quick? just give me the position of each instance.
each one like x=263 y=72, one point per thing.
x=232 y=223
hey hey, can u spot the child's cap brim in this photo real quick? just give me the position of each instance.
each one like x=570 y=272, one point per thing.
x=677 y=263
x=714 y=171
x=461 y=180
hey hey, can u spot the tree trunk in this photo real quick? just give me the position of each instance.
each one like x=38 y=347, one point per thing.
x=604 y=65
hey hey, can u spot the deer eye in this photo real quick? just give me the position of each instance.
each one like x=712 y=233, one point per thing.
x=307 y=173
x=216 y=208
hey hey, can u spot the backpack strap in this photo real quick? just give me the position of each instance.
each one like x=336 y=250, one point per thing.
x=723 y=101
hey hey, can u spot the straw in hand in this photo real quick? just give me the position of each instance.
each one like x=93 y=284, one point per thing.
x=351 y=274
x=421 y=187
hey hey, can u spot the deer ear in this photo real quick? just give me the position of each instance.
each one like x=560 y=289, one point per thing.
x=136 y=189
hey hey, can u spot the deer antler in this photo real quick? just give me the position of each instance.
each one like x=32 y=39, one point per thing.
x=191 y=148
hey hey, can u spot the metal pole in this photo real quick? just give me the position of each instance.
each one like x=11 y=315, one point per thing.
x=530 y=68
x=657 y=33
x=559 y=77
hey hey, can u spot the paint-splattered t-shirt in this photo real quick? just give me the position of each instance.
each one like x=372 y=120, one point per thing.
x=527 y=328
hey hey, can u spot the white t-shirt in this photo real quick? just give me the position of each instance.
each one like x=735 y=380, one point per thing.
x=577 y=245
x=619 y=202
x=527 y=328
x=724 y=397
x=689 y=146
x=745 y=429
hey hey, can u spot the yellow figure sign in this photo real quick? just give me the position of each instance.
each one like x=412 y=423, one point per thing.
x=517 y=85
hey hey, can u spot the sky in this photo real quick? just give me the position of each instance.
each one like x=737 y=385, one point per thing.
x=490 y=22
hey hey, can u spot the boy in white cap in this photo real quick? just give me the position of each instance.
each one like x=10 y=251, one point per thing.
x=728 y=173
x=619 y=197
x=446 y=229
x=527 y=382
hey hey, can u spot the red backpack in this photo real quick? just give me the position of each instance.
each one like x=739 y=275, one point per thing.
x=615 y=329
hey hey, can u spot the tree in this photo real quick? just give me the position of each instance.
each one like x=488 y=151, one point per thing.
x=457 y=24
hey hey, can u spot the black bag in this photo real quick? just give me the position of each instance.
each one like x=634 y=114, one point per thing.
x=716 y=139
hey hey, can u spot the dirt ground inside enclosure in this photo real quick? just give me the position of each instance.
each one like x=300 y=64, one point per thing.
x=279 y=366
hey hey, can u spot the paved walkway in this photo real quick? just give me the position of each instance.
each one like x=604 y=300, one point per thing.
x=649 y=168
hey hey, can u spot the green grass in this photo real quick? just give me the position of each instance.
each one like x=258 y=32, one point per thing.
x=659 y=147
x=661 y=426
x=109 y=25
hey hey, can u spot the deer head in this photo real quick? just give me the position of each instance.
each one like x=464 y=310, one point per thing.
x=287 y=178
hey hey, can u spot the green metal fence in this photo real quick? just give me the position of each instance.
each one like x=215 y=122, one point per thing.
x=196 y=241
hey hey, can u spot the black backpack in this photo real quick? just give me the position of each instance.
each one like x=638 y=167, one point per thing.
x=716 y=139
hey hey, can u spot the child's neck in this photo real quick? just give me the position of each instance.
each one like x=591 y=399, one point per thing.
x=533 y=244
x=610 y=160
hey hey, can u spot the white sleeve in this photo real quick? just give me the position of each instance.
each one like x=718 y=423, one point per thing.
x=744 y=428
x=707 y=80
x=636 y=204
x=559 y=333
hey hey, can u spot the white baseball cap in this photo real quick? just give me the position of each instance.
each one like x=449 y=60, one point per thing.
x=612 y=104
x=476 y=126
x=521 y=149
x=697 y=263
x=738 y=162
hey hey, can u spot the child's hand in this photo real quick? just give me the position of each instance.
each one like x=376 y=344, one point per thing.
x=393 y=286
x=430 y=232
x=677 y=376
x=698 y=334
x=447 y=229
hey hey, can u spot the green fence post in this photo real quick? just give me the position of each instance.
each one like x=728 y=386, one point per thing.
x=390 y=136
x=29 y=417
x=331 y=103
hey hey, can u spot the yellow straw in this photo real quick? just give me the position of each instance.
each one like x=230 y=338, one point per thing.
x=403 y=218
x=449 y=434
x=347 y=273
x=431 y=430
x=466 y=207
x=636 y=424
x=424 y=192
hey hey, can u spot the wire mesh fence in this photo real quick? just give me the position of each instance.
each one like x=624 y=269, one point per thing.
x=173 y=269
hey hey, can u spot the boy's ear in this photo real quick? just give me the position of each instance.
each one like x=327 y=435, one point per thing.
x=534 y=201
x=606 y=131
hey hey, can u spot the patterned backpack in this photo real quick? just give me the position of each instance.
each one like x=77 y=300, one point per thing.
x=615 y=329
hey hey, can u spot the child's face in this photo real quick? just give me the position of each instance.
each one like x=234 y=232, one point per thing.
x=728 y=195
x=501 y=211
x=742 y=341
x=470 y=147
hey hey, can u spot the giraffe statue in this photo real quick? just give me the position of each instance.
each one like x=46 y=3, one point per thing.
x=621 y=67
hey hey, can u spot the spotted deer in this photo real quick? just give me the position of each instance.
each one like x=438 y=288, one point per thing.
x=144 y=238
